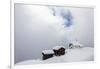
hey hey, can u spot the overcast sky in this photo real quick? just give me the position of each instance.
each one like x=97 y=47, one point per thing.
x=42 y=27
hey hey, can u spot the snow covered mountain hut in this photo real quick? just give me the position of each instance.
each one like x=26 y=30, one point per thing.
x=59 y=50
x=47 y=54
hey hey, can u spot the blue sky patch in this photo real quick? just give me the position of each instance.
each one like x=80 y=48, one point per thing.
x=67 y=16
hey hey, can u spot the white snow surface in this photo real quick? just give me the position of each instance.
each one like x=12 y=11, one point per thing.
x=72 y=55
x=48 y=51
x=58 y=47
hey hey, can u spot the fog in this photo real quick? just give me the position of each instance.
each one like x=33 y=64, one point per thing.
x=42 y=27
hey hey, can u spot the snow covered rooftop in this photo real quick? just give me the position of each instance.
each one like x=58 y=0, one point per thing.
x=48 y=52
x=58 y=47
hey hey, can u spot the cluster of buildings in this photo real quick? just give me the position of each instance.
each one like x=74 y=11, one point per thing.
x=59 y=50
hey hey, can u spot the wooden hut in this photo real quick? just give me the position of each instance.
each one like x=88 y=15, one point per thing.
x=59 y=50
x=47 y=54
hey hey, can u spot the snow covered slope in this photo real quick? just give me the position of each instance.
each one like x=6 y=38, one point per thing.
x=72 y=55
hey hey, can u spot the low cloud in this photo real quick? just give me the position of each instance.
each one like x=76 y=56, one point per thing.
x=42 y=27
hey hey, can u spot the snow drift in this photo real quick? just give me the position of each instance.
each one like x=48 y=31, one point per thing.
x=72 y=55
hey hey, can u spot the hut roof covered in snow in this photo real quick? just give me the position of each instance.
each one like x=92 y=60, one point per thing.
x=58 y=47
x=48 y=51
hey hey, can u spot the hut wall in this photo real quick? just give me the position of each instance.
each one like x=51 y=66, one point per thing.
x=46 y=56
